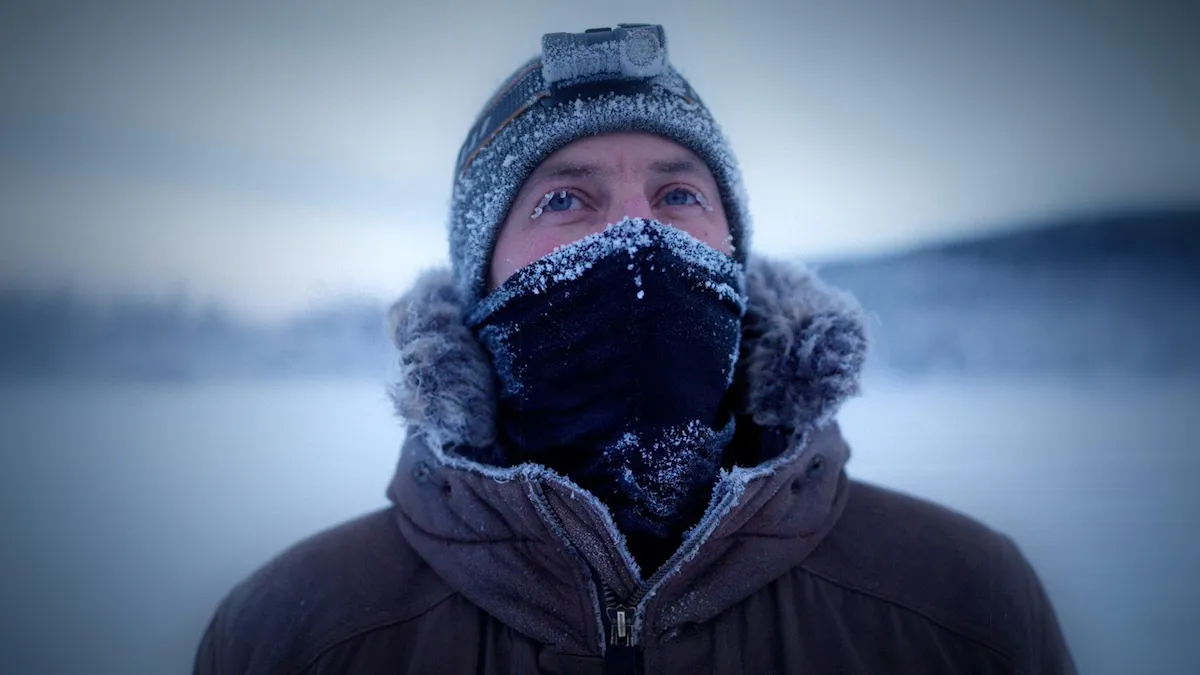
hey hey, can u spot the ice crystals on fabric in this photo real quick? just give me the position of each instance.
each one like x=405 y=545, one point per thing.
x=570 y=262
x=661 y=477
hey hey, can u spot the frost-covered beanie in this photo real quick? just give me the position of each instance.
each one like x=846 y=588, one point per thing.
x=600 y=81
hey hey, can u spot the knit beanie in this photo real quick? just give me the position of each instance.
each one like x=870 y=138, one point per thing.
x=582 y=84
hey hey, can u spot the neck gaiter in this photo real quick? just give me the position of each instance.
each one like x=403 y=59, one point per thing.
x=614 y=356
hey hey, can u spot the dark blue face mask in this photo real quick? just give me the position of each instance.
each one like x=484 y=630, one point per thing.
x=614 y=357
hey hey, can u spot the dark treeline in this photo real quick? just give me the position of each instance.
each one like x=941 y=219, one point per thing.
x=59 y=335
x=1114 y=293
x=1117 y=293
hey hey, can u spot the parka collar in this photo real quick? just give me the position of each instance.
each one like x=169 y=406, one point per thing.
x=530 y=547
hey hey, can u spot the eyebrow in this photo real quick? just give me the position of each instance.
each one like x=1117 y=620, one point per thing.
x=558 y=170
x=576 y=170
x=674 y=167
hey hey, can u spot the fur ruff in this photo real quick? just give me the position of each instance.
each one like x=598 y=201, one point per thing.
x=803 y=348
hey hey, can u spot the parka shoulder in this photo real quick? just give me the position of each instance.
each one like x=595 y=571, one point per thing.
x=338 y=584
x=945 y=567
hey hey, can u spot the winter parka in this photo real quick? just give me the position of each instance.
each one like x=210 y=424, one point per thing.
x=794 y=568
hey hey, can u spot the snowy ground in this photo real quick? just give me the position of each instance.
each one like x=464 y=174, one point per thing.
x=127 y=511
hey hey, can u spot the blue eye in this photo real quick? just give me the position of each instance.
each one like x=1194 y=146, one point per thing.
x=680 y=197
x=556 y=201
x=561 y=201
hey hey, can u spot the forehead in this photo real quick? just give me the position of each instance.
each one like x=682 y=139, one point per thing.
x=618 y=152
x=623 y=142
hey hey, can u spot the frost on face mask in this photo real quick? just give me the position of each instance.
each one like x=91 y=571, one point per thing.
x=573 y=261
x=497 y=340
x=615 y=355
x=660 y=478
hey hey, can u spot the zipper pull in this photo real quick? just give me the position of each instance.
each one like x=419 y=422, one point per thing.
x=621 y=620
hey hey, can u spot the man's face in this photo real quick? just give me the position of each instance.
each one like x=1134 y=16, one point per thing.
x=595 y=181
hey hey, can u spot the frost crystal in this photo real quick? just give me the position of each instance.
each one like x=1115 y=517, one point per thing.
x=661 y=476
x=496 y=339
x=570 y=262
x=639 y=55
x=544 y=203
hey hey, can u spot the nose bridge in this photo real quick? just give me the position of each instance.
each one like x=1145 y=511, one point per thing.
x=629 y=199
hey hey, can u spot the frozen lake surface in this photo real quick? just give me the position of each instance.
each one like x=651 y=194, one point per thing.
x=127 y=511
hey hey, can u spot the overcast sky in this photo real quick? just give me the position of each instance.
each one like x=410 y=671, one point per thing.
x=271 y=159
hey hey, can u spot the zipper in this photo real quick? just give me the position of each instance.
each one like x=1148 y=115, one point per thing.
x=562 y=530
x=621 y=657
x=621 y=620
x=621 y=614
x=622 y=654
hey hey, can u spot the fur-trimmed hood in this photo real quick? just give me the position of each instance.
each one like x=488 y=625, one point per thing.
x=803 y=347
x=544 y=556
x=504 y=569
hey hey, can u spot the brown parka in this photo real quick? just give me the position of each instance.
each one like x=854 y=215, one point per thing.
x=794 y=568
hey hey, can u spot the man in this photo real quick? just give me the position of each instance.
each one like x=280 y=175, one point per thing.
x=621 y=452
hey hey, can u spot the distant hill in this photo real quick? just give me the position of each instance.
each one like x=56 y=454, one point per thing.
x=1169 y=238
x=1117 y=293
x=56 y=335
